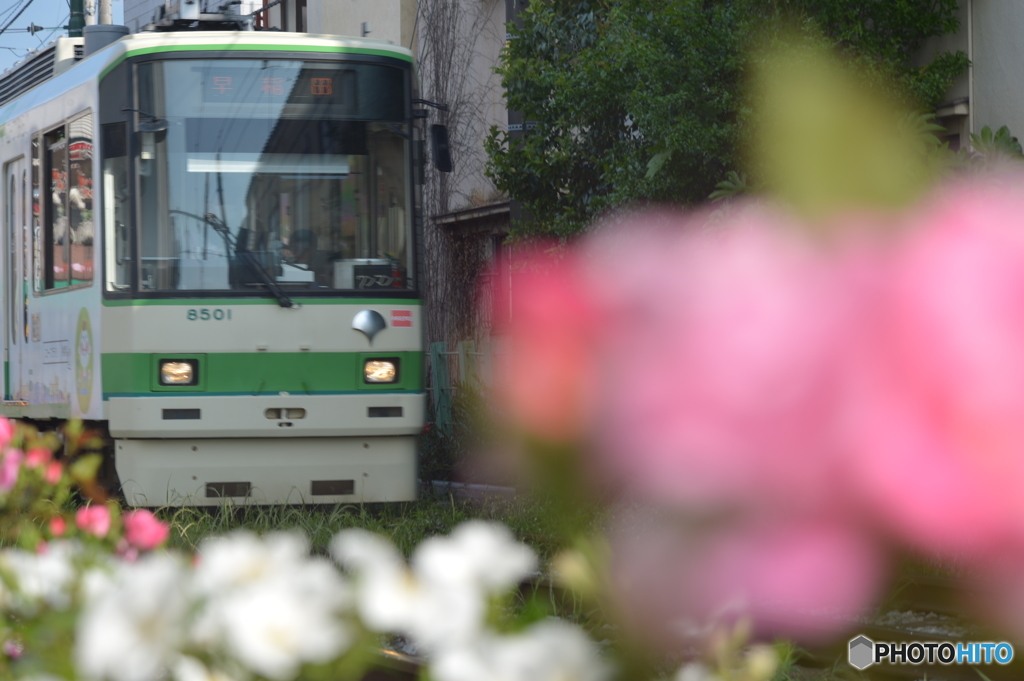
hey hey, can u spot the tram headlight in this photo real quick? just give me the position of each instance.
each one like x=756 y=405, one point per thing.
x=178 y=372
x=380 y=370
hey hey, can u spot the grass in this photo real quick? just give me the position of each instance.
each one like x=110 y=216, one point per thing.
x=406 y=524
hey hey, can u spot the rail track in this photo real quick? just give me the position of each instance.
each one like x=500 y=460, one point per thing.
x=936 y=605
x=935 y=608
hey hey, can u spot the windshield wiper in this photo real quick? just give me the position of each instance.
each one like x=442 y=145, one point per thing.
x=244 y=254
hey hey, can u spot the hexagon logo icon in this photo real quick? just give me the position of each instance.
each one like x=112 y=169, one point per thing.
x=862 y=652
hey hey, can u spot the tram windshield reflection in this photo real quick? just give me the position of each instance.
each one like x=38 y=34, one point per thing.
x=297 y=168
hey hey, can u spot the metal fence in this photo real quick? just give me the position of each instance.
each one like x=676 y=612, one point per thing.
x=450 y=369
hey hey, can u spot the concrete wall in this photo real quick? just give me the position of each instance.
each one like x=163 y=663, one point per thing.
x=390 y=20
x=992 y=91
x=474 y=90
x=998 y=65
x=474 y=188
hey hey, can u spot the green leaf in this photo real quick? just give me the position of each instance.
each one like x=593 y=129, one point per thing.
x=85 y=468
x=656 y=162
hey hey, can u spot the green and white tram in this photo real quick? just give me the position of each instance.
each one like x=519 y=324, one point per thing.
x=212 y=250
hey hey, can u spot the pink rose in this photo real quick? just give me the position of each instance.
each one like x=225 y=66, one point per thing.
x=10 y=466
x=145 y=531
x=94 y=520
x=801 y=578
x=938 y=424
x=35 y=458
x=13 y=648
x=6 y=431
x=58 y=526
x=722 y=358
x=54 y=471
x=544 y=379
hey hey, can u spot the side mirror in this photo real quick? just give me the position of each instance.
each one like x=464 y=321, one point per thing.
x=442 y=152
x=152 y=125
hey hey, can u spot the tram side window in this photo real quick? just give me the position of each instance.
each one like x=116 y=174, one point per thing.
x=116 y=206
x=80 y=199
x=68 y=231
x=55 y=221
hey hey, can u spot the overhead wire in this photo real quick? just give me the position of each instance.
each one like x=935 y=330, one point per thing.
x=42 y=41
x=15 y=17
x=7 y=12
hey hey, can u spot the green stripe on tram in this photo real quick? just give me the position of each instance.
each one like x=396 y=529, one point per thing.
x=224 y=302
x=133 y=374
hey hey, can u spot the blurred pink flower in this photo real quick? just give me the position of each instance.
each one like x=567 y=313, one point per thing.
x=13 y=648
x=6 y=431
x=544 y=378
x=144 y=531
x=9 y=469
x=723 y=355
x=54 y=471
x=801 y=578
x=37 y=457
x=94 y=520
x=58 y=526
x=938 y=429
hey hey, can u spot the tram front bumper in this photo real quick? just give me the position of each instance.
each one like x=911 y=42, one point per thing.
x=276 y=416
x=210 y=472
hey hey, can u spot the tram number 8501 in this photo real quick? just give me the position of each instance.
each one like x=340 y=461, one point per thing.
x=206 y=313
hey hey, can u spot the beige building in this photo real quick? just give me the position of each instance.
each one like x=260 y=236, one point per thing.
x=989 y=92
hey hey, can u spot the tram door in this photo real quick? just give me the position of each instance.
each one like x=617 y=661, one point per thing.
x=14 y=285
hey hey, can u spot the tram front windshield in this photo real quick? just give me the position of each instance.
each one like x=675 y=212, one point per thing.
x=290 y=172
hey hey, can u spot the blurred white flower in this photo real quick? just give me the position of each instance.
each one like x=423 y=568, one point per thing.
x=133 y=619
x=390 y=598
x=273 y=630
x=186 y=668
x=364 y=551
x=479 y=553
x=441 y=601
x=551 y=650
x=242 y=558
x=268 y=604
x=695 y=671
x=45 y=577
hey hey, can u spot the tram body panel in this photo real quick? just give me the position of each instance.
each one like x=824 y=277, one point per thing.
x=53 y=364
x=258 y=325
x=323 y=470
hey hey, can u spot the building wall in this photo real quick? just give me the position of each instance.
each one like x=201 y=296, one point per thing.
x=484 y=30
x=998 y=97
x=390 y=20
x=954 y=112
x=951 y=43
x=991 y=92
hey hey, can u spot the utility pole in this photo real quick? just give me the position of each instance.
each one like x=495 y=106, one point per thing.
x=106 y=14
x=77 y=20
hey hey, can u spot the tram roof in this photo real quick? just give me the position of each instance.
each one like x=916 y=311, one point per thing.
x=271 y=41
x=98 y=64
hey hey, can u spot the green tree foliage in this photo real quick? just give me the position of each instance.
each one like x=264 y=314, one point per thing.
x=632 y=101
